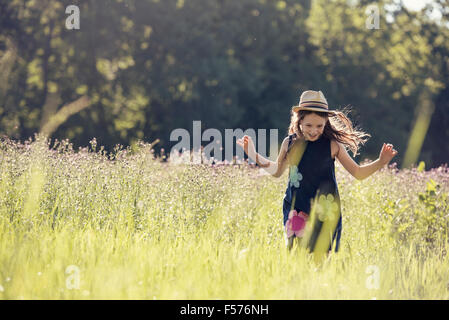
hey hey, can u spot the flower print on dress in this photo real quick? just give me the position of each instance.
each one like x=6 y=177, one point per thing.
x=296 y=223
x=295 y=176
x=326 y=207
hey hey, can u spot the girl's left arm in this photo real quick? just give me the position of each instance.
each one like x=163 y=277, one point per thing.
x=361 y=172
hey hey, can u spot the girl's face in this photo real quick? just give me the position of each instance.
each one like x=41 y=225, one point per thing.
x=312 y=126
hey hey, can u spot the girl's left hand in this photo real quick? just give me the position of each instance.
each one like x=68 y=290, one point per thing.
x=387 y=153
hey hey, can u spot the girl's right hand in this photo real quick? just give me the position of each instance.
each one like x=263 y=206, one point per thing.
x=247 y=144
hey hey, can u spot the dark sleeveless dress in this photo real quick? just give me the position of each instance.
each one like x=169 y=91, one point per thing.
x=317 y=172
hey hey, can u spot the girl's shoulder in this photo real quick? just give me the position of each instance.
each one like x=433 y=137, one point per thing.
x=290 y=139
x=294 y=140
x=335 y=147
x=296 y=148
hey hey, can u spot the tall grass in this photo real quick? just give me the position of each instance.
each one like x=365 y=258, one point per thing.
x=137 y=228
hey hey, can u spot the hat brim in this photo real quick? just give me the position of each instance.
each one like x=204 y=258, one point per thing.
x=298 y=108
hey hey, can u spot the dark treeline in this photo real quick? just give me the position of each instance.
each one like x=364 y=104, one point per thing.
x=139 y=69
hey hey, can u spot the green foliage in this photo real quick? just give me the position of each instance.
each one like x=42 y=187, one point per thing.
x=423 y=222
x=149 y=67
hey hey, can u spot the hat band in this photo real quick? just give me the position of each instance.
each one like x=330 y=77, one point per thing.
x=318 y=107
x=312 y=101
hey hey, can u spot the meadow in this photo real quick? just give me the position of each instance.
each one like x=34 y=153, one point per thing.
x=84 y=224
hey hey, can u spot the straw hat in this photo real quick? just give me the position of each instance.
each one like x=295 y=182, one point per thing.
x=313 y=101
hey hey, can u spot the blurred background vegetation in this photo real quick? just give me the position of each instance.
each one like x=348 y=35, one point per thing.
x=138 y=69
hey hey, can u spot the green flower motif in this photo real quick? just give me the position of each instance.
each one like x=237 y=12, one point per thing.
x=326 y=207
x=295 y=176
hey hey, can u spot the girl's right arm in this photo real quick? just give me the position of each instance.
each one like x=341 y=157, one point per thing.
x=275 y=168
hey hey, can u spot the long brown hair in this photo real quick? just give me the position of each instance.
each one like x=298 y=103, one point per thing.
x=338 y=127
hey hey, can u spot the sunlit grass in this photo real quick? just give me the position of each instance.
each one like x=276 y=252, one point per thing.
x=137 y=228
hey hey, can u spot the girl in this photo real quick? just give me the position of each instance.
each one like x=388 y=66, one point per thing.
x=316 y=137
